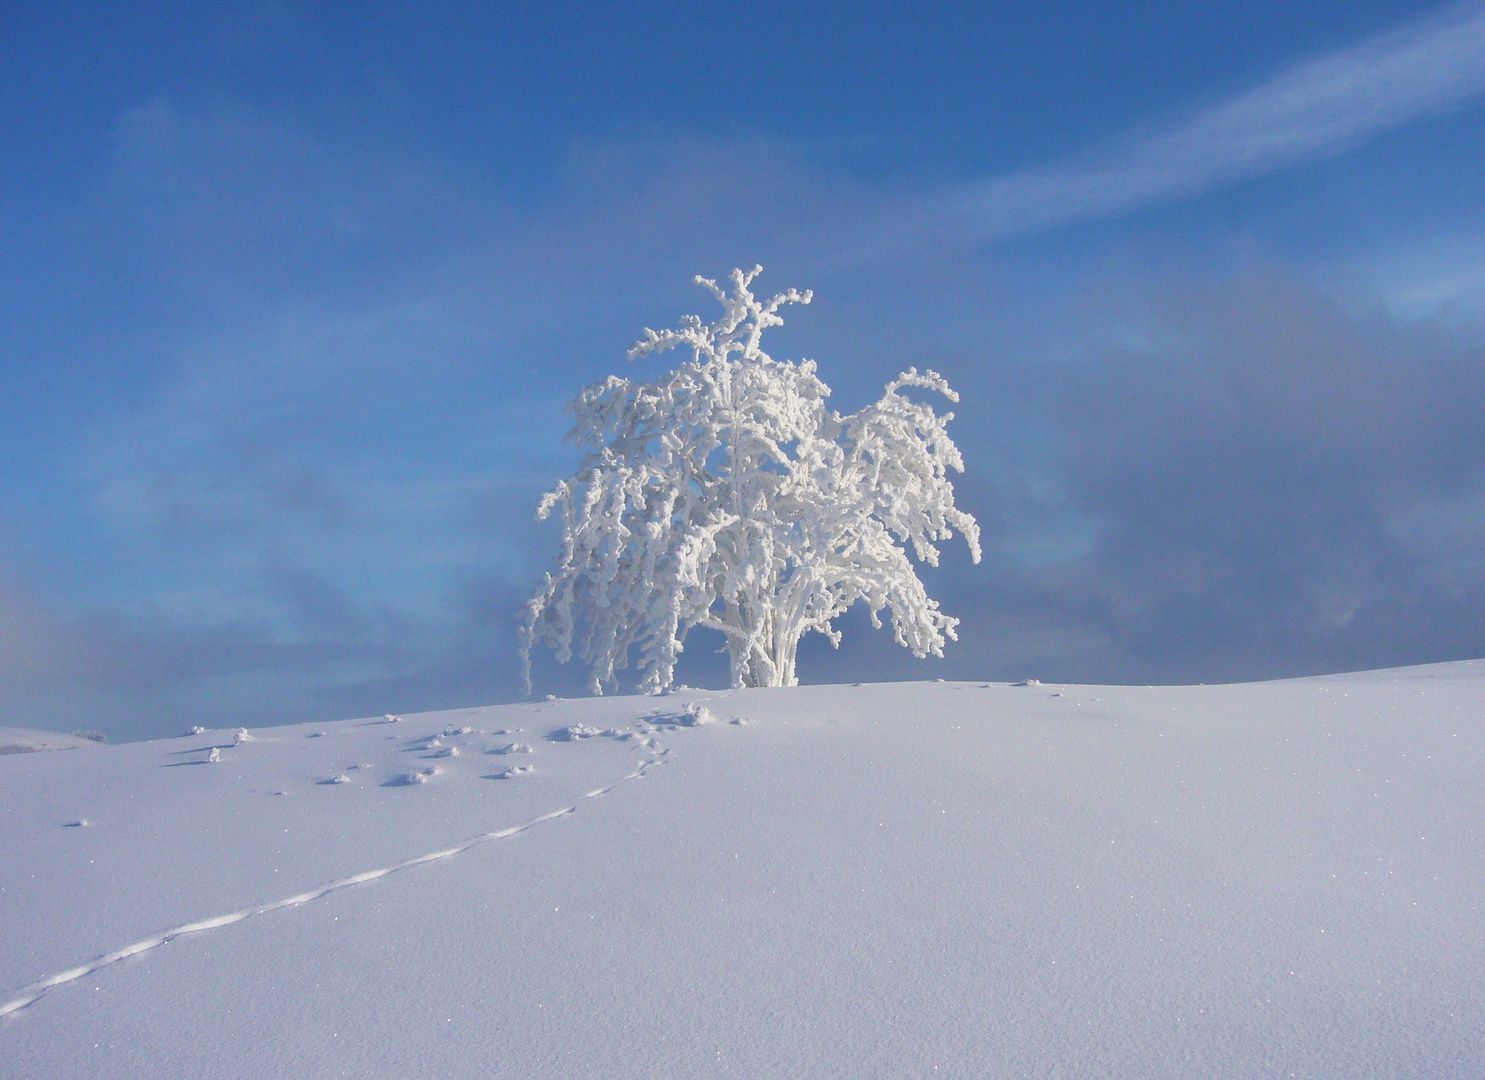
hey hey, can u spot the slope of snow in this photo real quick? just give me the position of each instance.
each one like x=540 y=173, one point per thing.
x=945 y=879
x=14 y=740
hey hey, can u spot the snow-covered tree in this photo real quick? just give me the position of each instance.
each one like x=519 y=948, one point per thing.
x=726 y=495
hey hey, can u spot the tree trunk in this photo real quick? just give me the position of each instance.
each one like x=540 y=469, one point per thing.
x=772 y=662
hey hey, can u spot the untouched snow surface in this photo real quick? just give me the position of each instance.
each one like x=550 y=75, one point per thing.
x=26 y=741
x=1276 y=879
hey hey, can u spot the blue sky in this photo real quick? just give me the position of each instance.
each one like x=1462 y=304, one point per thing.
x=291 y=297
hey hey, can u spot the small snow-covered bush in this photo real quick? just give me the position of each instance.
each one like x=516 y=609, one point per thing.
x=725 y=495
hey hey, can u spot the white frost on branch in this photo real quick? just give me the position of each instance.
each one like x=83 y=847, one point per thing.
x=726 y=495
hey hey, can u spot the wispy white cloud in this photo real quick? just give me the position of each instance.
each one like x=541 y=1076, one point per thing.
x=1311 y=111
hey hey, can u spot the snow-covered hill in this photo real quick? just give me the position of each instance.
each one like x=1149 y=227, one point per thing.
x=28 y=741
x=1277 y=879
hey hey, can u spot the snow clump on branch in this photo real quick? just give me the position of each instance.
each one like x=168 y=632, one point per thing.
x=725 y=495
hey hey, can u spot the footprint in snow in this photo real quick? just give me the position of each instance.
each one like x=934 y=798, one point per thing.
x=693 y=715
x=511 y=774
x=574 y=733
x=512 y=748
x=341 y=779
x=419 y=777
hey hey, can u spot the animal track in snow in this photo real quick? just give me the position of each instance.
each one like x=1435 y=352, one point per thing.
x=27 y=995
x=420 y=777
x=512 y=748
x=694 y=714
x=512 y=773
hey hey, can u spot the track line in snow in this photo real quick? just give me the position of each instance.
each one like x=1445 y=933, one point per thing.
x=28 y=995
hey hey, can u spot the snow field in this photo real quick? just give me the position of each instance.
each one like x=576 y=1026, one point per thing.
x=900 y=880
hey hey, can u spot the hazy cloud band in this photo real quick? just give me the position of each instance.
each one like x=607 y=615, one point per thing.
x=1311 y=111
